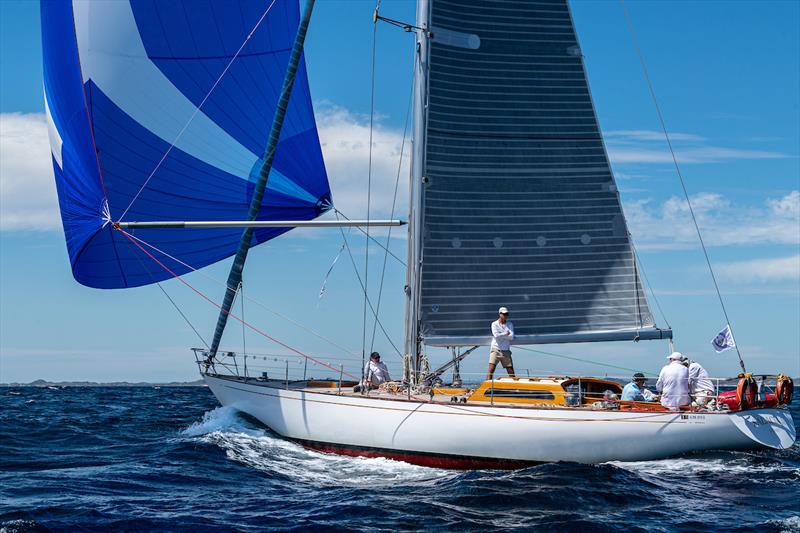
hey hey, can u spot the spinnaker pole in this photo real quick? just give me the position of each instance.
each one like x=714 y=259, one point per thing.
x=235 y=276
x=202 y=224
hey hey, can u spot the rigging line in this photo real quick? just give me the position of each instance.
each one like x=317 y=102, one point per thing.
x=649 y=286
x=197 y=109
x=358 y=276
x=389 y=234
x=251 y=299
x=178 y=309
x=174 y=304
x=279 y=355
x=678 y=171
x=218 y=306
x=244 y=330
x=328 y=274
x=374 y=240
x=584 y=360
x=402 y=25
x=369 y=187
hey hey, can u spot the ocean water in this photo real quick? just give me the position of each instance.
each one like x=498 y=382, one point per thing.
x=171 y=459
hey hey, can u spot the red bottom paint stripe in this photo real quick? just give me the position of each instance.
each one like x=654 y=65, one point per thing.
x=433 y=460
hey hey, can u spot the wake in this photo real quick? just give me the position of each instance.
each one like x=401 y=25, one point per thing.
x=259 y=448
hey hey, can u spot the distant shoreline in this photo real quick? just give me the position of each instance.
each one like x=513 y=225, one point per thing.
x=45 y=383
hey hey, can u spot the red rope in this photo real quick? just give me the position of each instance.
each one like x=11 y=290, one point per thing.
x=215 y=304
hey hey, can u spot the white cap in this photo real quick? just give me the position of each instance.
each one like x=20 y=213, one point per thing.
x=675 y=356
x=503 y=311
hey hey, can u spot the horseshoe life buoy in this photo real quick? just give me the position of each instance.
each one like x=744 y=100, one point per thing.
x=784 y=390
x=746 y=393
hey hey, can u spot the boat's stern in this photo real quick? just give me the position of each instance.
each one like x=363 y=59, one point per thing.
x=773 y=428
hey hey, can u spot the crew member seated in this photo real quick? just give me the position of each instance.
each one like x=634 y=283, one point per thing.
x=701 y=389
x=636 y=390
x=375 y=373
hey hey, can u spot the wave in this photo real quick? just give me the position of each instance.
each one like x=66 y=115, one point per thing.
x=220 y=419
x=261 y=449
x=786 y=525
x=704 y=465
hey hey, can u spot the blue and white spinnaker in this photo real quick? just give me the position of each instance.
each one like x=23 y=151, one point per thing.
x=161 y=111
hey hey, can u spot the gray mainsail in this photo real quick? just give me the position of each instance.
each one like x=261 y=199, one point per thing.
x=518 y=206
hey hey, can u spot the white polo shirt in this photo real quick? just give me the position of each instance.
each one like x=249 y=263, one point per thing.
x=699 y=381
x=673 y=384
x=502 y=335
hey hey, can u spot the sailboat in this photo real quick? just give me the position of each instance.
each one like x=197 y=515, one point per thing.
x=159 y=115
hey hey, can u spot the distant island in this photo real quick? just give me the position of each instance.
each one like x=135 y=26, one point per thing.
x=45 y=383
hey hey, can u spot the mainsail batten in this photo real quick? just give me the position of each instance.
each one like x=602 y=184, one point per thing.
x=519 y=207
x=136 y=74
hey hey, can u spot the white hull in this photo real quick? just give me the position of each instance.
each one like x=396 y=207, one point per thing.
x=467 y=436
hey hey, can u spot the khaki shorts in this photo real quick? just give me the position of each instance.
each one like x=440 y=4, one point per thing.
x=501 y=356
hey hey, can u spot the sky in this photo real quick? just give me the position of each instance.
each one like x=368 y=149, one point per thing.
x=727 y=77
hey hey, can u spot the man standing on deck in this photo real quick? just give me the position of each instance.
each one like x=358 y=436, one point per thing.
x=673 y=383
x=502 y=335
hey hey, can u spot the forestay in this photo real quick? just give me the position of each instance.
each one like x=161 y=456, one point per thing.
x=127 y=82
x=520 y=207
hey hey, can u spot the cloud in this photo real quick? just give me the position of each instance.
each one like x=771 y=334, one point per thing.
x=669 y=225
x=650 y=135
x=788 y=206
x=27 y=192
x=649 y=146
x=345 y=146
x=762 y=270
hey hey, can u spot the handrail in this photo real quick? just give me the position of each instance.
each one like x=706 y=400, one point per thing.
x=292 y=371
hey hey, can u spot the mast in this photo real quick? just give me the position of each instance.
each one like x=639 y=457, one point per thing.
x=235 y=276
x=412 y=337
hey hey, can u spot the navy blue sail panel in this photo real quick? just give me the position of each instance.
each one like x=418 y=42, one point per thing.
x=151 y=120
x=520 y=208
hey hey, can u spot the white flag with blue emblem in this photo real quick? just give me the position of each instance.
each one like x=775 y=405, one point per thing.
x=724 y=340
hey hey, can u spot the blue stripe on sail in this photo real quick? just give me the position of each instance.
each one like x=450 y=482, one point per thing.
x=183 y=187
x=153 y=100
x=246 y=96
x=146 y=66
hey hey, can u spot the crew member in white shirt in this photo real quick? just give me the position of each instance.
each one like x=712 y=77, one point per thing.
x=701 y=389
x=502 y=335
x=375 y=372
x=673 y=383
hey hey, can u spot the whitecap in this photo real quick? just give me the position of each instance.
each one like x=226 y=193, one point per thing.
x=18 y=526
x=220 y=419
x=786 y=525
